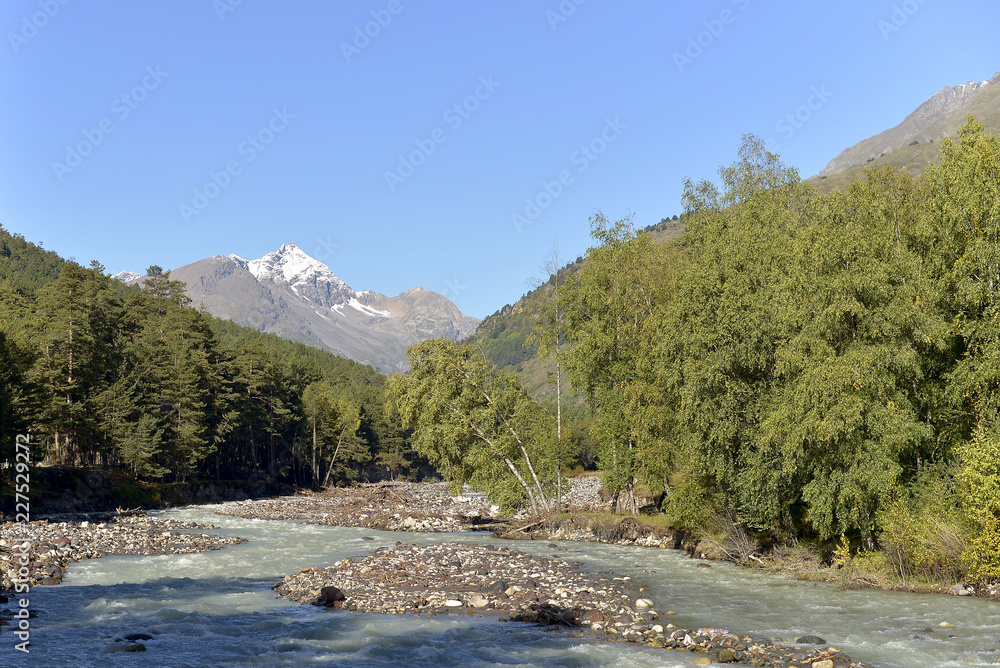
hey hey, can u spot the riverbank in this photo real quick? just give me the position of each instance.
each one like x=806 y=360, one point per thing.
x=798 y=562
x=68 y=489
x=511 y=585
x=47 y=547
x=430 y=508
x=385 y=506
x=407 y=506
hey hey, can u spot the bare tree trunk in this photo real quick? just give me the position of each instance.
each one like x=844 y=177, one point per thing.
x=506 y=460
x=315 y=467
x=625 y=501
x=332 y=459
x=558 y=488
x=558 y=423
x=543 y=502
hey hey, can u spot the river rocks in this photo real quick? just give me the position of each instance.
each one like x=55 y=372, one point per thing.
x=387 y=506
x=136 y=647
x=51 y=546
x=404 y=506
x=497 y=587
x=726 y=655
x=810 y=640
x=625 y=531
x=446 y=578
x=731 y=648
x=961 y=589
x=331 y=594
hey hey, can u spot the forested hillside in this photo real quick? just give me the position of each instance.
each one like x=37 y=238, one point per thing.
x=508 y=335
x=811 y=365
x=797 y=365
x=104 y=374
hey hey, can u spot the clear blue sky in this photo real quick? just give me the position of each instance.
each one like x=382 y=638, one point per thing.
x=160 y=95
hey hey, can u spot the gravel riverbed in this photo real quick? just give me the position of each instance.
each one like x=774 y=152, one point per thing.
x=511 y=585
x=46 y=547
x=404 y=506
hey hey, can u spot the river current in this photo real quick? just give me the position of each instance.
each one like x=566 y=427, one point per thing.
x=217 y=609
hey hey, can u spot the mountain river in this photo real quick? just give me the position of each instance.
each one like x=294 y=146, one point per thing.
x=217 y=609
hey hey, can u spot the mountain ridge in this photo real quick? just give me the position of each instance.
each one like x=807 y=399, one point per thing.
x=288 y=293
x=936 y=118
x=914 y=144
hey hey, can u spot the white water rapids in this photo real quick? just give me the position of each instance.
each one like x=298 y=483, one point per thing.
x=217 y=609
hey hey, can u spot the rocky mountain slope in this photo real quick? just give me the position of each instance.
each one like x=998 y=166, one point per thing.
x=292 y=295
x=914 y=143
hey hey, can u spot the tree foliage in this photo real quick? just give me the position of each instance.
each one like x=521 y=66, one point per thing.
x=476 y=423
x=808 y=362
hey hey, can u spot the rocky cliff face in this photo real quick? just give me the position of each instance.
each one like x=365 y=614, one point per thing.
x=940 y=116
x=297 y=297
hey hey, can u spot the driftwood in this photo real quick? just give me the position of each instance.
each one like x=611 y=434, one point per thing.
x=551 y=614
x=527 y=526
x=126 y=512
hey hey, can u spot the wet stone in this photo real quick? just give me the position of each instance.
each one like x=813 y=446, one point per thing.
x=52 y=545
x=331 y=594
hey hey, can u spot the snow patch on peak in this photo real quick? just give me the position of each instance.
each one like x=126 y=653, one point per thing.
x=126 y=276
x=367 y=310
x=289 y=264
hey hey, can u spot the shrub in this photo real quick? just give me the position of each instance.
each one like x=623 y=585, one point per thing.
x=922 y=532
x=688 y=505
x=979 y=479
x=982 y=555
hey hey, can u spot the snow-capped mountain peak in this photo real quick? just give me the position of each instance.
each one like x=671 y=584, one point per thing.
x=296 y=296
x=290 y=264
x=127 y=277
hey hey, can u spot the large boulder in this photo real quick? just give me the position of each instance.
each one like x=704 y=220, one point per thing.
x=331 y=595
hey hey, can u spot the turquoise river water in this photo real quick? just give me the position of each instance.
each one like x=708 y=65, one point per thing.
x=217 y=609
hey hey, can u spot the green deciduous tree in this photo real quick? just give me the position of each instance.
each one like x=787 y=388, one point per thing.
x=475 y=423
x=613 y=313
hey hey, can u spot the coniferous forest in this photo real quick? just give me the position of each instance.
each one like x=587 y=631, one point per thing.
x=136 y=378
